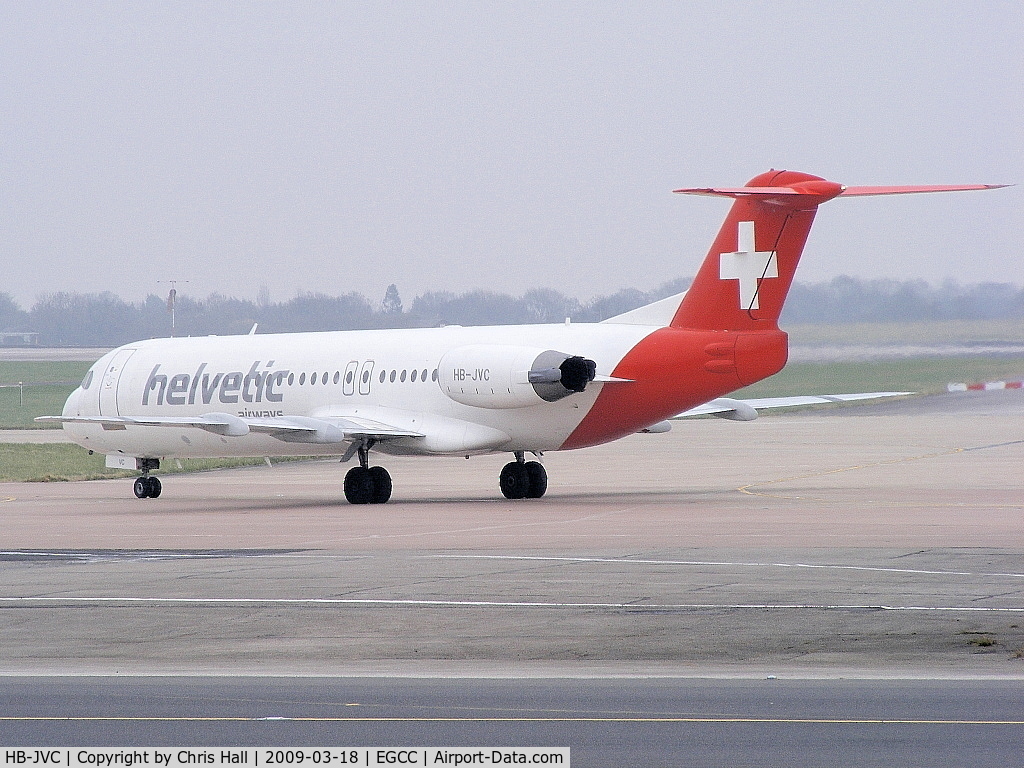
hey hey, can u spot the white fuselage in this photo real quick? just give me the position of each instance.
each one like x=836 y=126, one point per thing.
x=461 y=390
x=388 y=376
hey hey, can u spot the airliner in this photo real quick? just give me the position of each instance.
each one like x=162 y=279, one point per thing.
x=466 y=391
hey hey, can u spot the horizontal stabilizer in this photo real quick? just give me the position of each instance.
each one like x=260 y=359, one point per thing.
x=865 y=191
x=738 y=191
x=768 y=192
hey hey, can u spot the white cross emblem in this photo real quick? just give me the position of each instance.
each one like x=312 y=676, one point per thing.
x=747 y=265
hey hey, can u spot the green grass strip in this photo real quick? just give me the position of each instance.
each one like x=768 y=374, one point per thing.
x=49 y=462
x=926 y=375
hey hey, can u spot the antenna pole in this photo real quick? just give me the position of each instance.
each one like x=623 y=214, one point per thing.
x=171 y=296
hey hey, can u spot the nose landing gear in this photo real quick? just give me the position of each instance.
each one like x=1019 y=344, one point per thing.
x=147 y=486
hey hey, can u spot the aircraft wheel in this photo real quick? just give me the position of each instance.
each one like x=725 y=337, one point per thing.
x=147 y=487
x=513 y=481
x=536 y=479
x=381 y=485
x=359 y=486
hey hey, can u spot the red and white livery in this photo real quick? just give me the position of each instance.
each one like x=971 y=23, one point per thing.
x=463 y=391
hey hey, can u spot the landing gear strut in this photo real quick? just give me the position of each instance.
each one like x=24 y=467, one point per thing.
x=521 y=479
x=365 y=484
x=147 y=486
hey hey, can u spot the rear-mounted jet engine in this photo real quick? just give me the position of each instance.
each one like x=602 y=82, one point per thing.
x=495 y=376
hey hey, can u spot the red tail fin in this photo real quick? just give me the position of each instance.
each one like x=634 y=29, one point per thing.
x=744 y=280
x=746 y=275
x=724 y=335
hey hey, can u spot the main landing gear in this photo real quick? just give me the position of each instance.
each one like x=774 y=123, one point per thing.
x=365 y=484
x=521 y=479
x=147 y=486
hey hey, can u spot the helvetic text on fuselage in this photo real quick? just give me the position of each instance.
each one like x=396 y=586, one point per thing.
x=231 y=387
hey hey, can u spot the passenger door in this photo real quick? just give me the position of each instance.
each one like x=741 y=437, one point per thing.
x=109 y=380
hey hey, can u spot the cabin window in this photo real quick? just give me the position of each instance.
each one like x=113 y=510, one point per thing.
x=423 y=376
x=291 y=379
x=393 y=374
x=382 y=374
x=366 y=377
x=337 y=377
x=302 y=378
x=323 y=379
x=402 y=377
x=348 y=377
x=433 y=376
x=414 y=374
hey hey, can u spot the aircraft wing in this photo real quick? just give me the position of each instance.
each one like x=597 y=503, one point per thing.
x=304 y=429
x=290 y=429
x=746 y=410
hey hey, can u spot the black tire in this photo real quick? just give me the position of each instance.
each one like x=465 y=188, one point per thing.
x=536 y=479
x=141 y=487
x=381 y=485
x=358 y=486
x=513 y=481
x=155 y=487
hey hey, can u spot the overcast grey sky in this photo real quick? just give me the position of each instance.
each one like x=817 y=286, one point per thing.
x=451 y=146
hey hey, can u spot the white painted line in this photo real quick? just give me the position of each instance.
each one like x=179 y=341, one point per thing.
x=107 y=555
x=711 y=563
x=131 y=555
x=632 y=606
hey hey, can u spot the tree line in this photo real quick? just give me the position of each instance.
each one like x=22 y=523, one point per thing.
x=104 y=319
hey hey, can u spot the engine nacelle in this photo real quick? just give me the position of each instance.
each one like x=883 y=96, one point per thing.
x=495 y=376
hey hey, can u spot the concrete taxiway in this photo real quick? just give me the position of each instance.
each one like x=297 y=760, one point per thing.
x=605 y=723
x=882 y=540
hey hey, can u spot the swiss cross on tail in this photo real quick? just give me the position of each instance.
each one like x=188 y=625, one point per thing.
x=748 y=265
